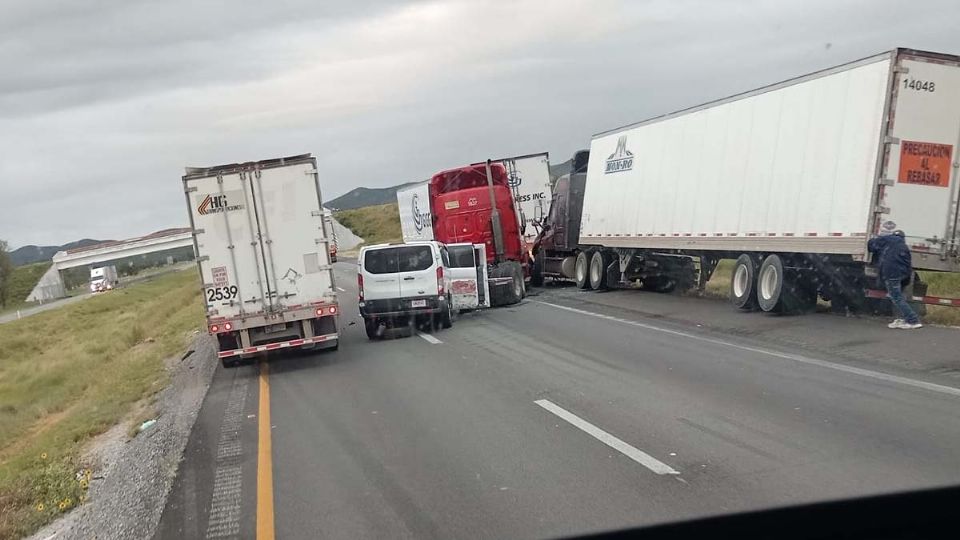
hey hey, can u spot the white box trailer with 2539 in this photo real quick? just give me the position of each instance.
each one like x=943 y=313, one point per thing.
x=263 y=254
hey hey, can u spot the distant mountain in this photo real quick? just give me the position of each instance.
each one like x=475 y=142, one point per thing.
x=361 y=196
x=34 y=254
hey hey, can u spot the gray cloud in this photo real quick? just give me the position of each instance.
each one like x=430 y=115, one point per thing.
x=102 y=106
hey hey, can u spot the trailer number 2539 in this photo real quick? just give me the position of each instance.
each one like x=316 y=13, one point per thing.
x=222 y=293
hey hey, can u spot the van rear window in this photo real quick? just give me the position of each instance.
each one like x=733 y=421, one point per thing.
x=398 y=259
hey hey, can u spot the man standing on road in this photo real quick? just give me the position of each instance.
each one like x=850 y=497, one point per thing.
x=896 y=268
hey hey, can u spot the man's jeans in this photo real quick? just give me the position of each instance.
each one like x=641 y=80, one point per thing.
x=900 y=306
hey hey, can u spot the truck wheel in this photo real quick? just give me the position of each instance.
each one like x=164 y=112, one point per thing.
x=743 y=283
x=515 y=292
x=536 y=271
x=598 y=270
x=770 y=285
x=582 y=270
x=371 y=325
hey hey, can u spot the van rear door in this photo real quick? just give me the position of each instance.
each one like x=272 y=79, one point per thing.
x=468 y=273
x=380 y=270
x=418 y=270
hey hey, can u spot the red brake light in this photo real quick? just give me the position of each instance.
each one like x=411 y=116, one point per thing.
x=319 y=311
x=214 y=329
x=333 y=310
x=360 y=285
x=227 y=326
x=440 y=280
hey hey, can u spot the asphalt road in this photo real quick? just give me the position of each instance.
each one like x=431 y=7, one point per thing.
x=570 y=412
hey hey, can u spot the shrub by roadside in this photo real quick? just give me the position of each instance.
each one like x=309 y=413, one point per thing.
x=72 y=373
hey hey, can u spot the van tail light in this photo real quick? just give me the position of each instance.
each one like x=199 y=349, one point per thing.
x=227 y=326
x=360 y=285
x=440 y=280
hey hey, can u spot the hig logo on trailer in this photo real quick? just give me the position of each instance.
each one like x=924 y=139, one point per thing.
x=621 y=159
x=219 y=202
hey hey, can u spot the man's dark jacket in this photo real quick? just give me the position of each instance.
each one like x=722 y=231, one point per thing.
x=892 y=257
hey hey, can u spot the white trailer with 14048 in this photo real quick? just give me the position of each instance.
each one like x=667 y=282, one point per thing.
x=791 y=180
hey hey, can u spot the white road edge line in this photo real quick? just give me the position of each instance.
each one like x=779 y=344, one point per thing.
x=624 y=448
x=341 y=289
x=429 y=338
x=797 y=358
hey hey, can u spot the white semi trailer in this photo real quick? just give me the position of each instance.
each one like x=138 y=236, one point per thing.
x=791 y=180
x=263 y=254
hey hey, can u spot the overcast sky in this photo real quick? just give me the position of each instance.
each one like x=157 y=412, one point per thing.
x=102 y=103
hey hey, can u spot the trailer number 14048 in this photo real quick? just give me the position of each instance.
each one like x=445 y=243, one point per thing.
x=222 y=293
x=920 y=86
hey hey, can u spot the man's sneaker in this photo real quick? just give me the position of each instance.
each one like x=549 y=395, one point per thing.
x=911 y=326
x=897 y=323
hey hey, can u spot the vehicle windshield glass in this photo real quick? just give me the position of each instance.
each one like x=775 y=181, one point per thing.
x=398 y=259
x=461 y=256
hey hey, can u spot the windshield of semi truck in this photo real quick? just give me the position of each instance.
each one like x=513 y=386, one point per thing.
x=477 y=268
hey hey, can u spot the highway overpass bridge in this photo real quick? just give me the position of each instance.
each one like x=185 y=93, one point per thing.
x=51 y=284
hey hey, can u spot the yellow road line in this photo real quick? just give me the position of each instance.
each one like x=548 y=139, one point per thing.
x=264 y=460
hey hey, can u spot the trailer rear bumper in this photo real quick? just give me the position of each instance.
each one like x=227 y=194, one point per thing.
x=931 y=300
x=279 y=345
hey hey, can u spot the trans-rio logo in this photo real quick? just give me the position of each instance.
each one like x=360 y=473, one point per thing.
x=621 y=159
x=514 y=180
x=421 y=220
x=216 y=204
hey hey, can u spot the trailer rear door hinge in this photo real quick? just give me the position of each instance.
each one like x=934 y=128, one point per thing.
x=887 y=181
x=881 y=210
x=203 y=258
x=198 y=231
x=887 y=139
x=901 y=69
x=190 y=189
x=321 y=241
x=207 y=285
x=316 y=213
x=310 y=171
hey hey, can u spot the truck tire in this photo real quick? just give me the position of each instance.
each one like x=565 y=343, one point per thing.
x=514 y=292
x=536 y=270
x=783 y=290
x=582 y=269
x=743 y=283
x=598 y=270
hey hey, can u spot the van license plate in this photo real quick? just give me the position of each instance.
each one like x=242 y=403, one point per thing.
x=276 y=328
x=418 y=303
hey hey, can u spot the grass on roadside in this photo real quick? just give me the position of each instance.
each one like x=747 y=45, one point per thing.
x=69 y=374
x=375 y=224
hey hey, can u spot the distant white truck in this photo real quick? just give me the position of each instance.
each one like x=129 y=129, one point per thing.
x=103 y=278
x=263 y=252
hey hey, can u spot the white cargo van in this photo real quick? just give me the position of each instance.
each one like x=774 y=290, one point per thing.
x=400 y=284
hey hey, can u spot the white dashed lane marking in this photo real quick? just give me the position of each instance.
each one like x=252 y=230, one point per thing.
x=617 y=444
x=429 y=338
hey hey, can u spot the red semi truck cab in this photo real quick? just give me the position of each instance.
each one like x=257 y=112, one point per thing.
x=461 y=203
